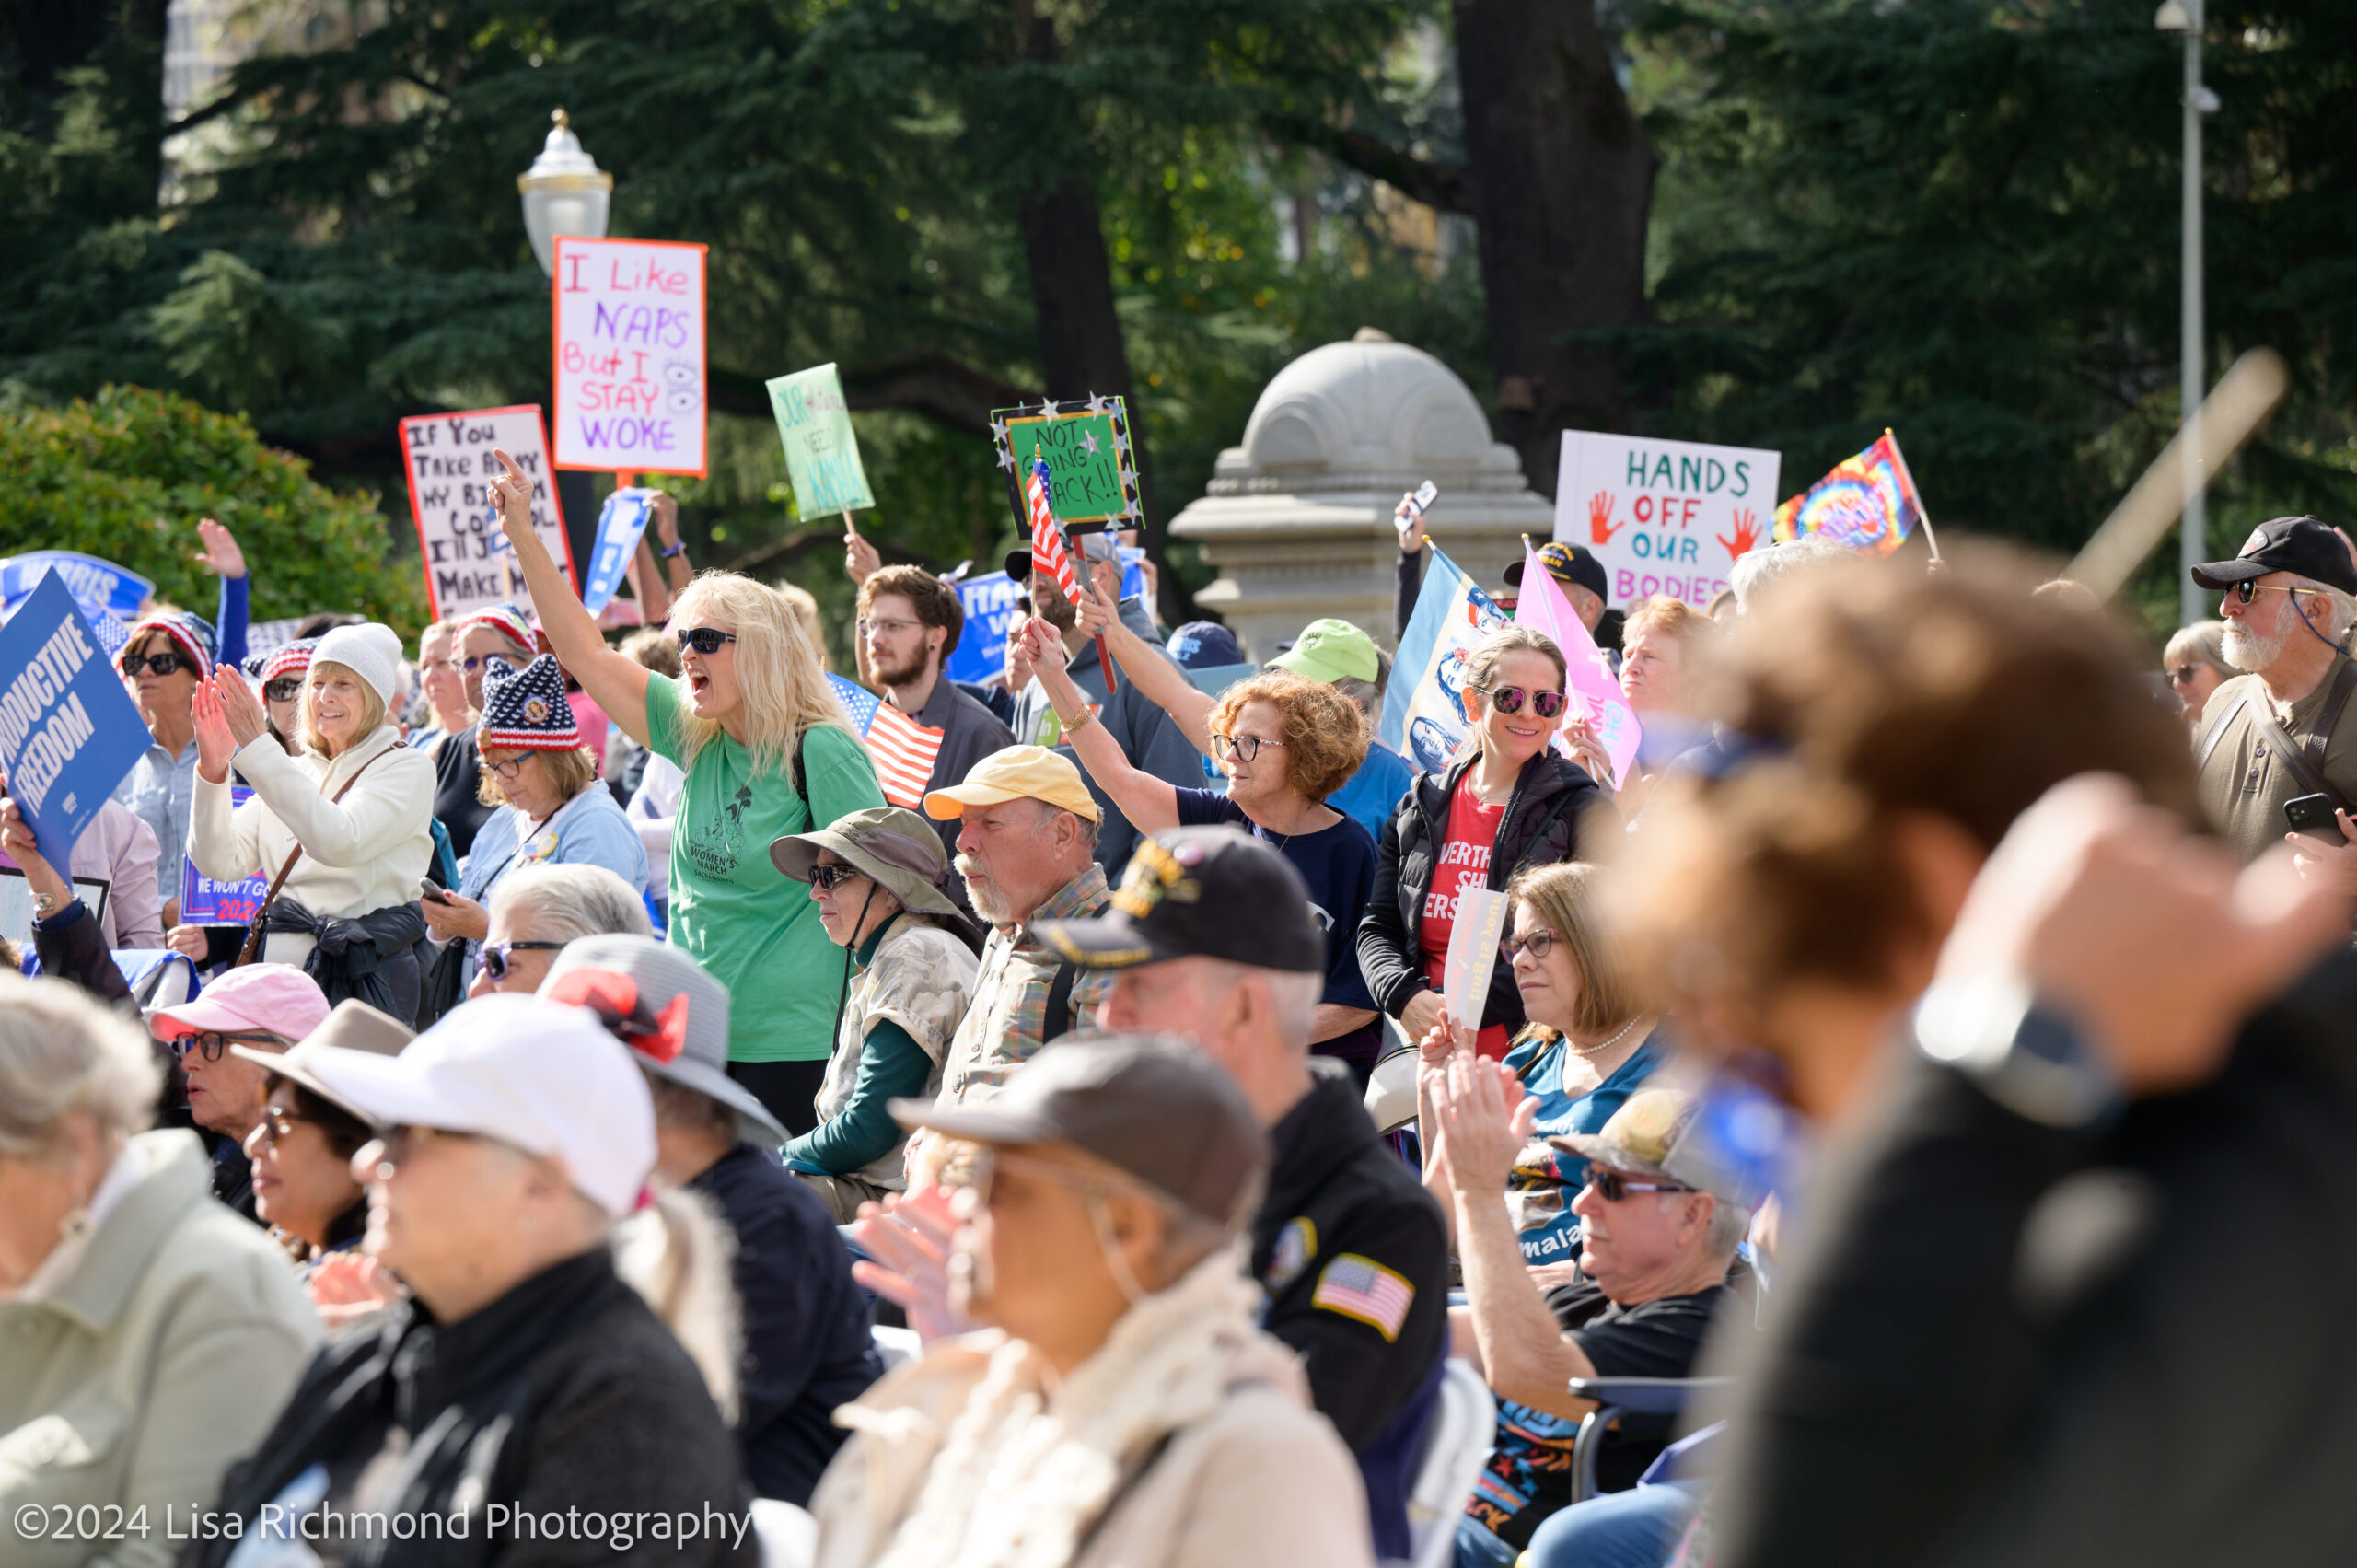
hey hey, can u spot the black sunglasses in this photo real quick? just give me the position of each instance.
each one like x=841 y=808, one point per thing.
x=1509 y=699
x=830 y=878
x=1611 y=1186
x=2250 y=588
x=285 y=689
x=494 y=954
x=705 y=640
x=162 y=664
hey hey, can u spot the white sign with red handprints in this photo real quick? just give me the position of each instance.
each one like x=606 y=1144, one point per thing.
x=1662 y=516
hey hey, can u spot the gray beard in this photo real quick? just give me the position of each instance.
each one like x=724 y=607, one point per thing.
x=2250 y=653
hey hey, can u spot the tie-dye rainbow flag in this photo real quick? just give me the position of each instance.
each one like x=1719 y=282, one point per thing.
x=1868 y=503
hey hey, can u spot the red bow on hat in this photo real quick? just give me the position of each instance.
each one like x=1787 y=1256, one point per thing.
x=659 y=1036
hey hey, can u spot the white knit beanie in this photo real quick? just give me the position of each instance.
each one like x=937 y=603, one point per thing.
x=370 y=651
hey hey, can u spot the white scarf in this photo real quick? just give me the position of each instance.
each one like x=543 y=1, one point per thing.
x=1026 y=1467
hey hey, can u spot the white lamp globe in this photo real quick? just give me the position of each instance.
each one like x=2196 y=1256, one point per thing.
x=564 y=192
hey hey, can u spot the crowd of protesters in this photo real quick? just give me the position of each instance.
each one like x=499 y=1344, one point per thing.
x=624 y=1134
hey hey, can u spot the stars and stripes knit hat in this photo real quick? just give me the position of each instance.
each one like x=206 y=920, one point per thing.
x=289 y=658
x=525 y=710
x=508 y=620
x=192 y=634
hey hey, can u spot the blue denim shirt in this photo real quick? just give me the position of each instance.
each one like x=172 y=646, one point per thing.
x=160 y=790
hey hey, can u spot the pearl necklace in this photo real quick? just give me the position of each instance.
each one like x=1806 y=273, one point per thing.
x=1602 y=1046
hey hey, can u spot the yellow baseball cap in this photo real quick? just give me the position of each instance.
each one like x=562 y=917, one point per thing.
x=1018 y=773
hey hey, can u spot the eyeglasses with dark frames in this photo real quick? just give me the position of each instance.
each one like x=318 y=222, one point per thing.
x=1243 y=748
x=1539 y=944
x=509 y=770
x=829 y=877
x=705 y=640
x=496 y=956
x=211 y=1043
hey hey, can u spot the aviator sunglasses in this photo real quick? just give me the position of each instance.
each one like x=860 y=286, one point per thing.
x=1509 y=700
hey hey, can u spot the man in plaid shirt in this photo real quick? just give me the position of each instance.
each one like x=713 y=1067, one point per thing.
x=1025 y=849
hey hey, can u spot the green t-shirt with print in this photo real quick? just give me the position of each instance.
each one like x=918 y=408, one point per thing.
x=751 y=927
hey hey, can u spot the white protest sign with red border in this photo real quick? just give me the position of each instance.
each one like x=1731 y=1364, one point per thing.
x=447 y=459
x=632 y=387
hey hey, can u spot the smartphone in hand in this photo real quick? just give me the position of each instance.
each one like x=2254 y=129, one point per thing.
x=2311 y=814
x=1415 y=501
x=432 y=894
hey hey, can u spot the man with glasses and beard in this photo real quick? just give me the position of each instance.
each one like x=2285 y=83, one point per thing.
x=2283 y=729
x=909 y=621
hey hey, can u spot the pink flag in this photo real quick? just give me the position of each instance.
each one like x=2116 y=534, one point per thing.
x=1543 y=609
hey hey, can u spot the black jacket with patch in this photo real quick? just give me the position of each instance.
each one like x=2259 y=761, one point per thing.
x=1337 y=1192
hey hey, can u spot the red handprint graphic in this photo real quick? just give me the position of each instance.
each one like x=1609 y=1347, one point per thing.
x=1746 y=532
x=1600 y=519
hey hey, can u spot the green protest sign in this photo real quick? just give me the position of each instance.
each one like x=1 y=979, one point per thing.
x=821 y=452
x=1092 y=476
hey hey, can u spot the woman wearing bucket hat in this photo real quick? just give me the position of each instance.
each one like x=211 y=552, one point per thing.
x=301 y=1149
x=341 y=831
x=534 y=766
x=807 y=1349
x=875 y=876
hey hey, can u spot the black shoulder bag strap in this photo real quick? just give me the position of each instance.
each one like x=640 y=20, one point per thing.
x=1058 y=1021
x=802 y=785
x=2218 y=733
x=2305 y=762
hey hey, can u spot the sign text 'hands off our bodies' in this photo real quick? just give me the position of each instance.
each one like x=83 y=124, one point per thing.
x=450 y=467
x=631 y=385
x=1663 y=517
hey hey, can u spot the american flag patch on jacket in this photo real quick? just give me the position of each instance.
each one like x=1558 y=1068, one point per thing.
x=1361 y=1288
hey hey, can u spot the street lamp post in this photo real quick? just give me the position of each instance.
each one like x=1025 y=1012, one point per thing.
x=564 y=192
x=2184 y=16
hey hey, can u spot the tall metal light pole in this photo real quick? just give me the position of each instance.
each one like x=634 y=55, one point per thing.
x=564 y=192
x=2184 y=16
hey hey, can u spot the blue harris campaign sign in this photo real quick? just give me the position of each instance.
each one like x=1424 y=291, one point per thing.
x=1423 y=707
x=989 y=604
x=622 y=523
x=116 y=589
x=68 y=732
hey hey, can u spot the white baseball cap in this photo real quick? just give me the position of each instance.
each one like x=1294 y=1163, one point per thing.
x=544 y=1076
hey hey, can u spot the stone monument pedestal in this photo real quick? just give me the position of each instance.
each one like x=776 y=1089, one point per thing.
x=1298 y=518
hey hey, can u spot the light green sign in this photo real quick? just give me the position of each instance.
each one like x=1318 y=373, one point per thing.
x=1091 y=476
x=821 y=452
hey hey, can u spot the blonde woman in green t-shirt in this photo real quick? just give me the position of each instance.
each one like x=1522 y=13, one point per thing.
x=767 y=752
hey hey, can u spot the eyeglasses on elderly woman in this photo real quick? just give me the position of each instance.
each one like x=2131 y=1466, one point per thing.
x=211 y=1043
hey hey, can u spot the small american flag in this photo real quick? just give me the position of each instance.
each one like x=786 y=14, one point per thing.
x=1361 y=1288
x=1048 y=552
x=901 y=749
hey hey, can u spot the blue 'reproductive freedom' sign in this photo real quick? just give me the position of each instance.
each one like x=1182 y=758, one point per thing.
x=68 y=732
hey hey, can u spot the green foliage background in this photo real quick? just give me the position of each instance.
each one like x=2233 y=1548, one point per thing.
x=123 y=474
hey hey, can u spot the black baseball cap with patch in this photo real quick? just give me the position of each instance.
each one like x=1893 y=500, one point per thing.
x=1199 y=893
x=2299 y=545
x=1568 y=565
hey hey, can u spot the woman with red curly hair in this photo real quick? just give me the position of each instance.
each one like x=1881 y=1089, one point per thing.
x=1285 y=743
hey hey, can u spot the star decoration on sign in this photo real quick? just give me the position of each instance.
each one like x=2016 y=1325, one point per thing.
x=1006 y=460
x=1096 y=405
x=1120 y=444
x=1088 y=439
x=1046 y=408
x=998 y=431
